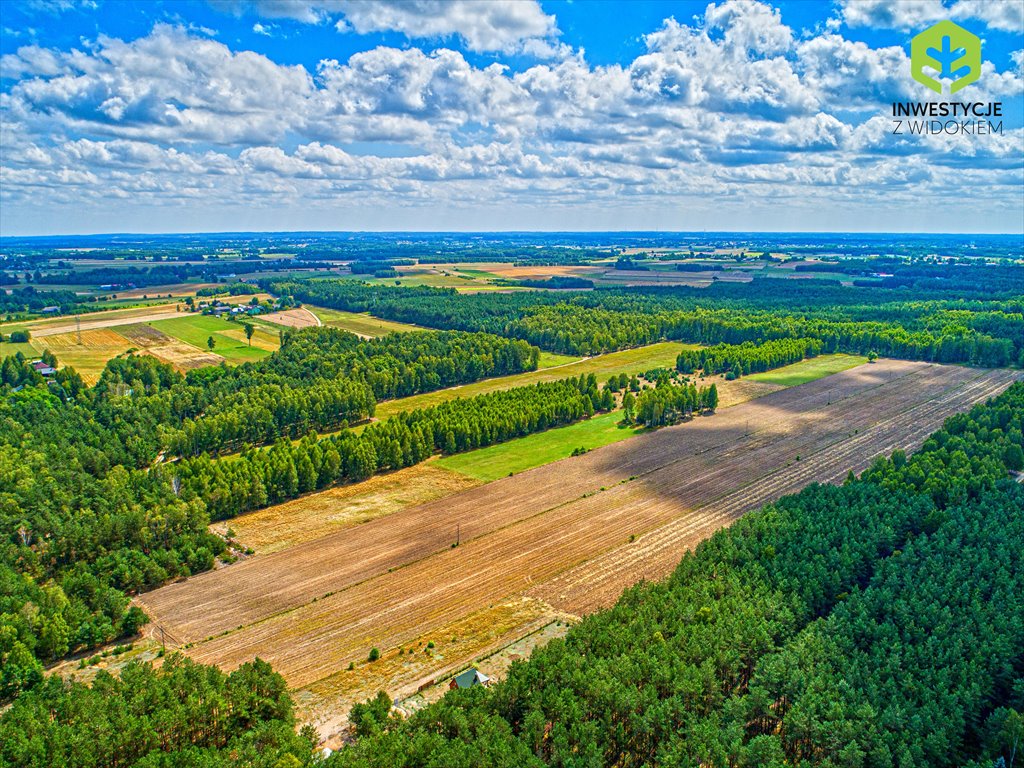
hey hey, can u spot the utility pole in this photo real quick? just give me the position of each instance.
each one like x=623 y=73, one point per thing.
x=78 y=328
x=458 y=534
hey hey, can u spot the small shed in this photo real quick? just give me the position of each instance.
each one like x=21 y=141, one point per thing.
x=469 y=678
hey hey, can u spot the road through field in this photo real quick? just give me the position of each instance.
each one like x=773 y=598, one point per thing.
x=561 y=532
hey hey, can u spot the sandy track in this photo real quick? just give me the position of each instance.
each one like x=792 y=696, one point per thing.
x=395 y=578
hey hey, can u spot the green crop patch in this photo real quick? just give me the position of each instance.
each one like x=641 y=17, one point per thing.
x=525 y=453
x=808 y=370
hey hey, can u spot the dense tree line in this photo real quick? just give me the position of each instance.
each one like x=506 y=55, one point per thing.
x=876 y=624
x=737 y=360
x=668 y=403
x=912 y=326
x=90 y=512
x=231 y=289
x=558 y=282
x=180 y=715
x=320 y=379
x=263 y=413
x=79 y=533
x=259 y=477
x=29 y=299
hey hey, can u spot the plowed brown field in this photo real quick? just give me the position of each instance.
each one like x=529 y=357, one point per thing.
x=561 y=532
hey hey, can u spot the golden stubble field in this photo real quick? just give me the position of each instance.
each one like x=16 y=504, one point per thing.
x=568 y=536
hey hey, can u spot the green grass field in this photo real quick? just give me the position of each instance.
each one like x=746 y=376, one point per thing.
x=461 y=278
x=8 y=348
x=230 y=342
x=630 y=361
x=497 y=461
x=551 y=359
x=808 y=370
x=361 y=323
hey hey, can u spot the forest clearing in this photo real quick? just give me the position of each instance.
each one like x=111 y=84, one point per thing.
x=573 y=533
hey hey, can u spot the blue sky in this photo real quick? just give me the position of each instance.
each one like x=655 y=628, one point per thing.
x=495 y=114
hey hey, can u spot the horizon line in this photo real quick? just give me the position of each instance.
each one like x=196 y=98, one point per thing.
x=669 y=232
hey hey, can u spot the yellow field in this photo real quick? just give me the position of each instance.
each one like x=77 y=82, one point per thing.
x=313 y=516
x=326 y=703
x=292 y=318
x=360 y=323
x=88 y=358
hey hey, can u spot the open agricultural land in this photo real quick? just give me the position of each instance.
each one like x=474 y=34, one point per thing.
x=572 y=534
x=87 y=341
x=360 y=323
x=406 y=480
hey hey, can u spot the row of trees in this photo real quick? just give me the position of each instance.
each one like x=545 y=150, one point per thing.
x=737 y=360
x=269 y=411
x=880 y=623
x=285 y=470
x=668 y=403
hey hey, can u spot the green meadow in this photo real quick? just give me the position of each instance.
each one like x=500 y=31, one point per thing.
x=497 y=461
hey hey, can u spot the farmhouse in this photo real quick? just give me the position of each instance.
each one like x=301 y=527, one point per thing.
x=469 y=678
x=43 y=368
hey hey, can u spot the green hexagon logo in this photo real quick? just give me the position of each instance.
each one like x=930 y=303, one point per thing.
x=952 y=52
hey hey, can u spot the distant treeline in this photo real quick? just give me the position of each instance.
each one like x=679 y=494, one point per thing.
x=986 y=333
x=558 y=282
x=166 y=274
x=691 y=267
x=370 y=267
x=30 y=299
x=232 y=289
x=895 y=273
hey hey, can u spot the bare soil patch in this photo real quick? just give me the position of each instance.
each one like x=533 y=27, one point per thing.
x=316 y=515
x=292 y=318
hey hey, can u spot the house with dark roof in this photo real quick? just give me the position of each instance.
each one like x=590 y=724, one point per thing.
x=469 y=678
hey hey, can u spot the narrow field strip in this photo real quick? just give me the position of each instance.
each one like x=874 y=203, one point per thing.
x=662 y=355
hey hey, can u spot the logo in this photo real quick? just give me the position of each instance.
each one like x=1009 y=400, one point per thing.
x=953 y=53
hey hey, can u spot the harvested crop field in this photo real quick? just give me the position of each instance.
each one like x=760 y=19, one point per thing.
x=361 y=323
x=574 y=533
x=292 y=318
x=318 y=514
x=417 y=666
x=168 y=349
x=109 y=319
x=88 y=357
